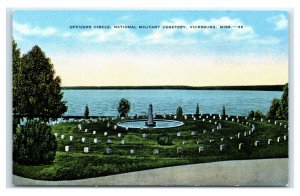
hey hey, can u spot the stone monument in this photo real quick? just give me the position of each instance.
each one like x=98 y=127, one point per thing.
x=150 y=122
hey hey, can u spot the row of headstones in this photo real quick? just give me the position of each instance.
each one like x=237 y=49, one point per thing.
x=108 y=126
x=95 y=140
x=109 y=150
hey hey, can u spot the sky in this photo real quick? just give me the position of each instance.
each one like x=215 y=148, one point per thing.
x=252 y=50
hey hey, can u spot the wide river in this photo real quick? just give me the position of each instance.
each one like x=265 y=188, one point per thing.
x=105 y=102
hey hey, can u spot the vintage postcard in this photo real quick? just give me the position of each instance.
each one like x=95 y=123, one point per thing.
x=150 y=97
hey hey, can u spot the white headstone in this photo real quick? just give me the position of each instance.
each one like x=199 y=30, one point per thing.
x=269 y=121
x=276 y=122
x=241 y=145
x=226 y=118
x=214 y=117
x=105 y=133
x=222 y=139
x=245 y=133
x=285 y=126
x=178 y=134
x=278 y=139
x=79 y=127
x=222 y=147
x=284 y=137
x=108 y=150
x=144 y=135
x=238 y=135
x=203 y=120
x=184 y=142
x=126 y=128
x=216 y=123
x=56 y=134
x=71 y=138
x=108 y=125
x=209 y=121
x=131 y=151
x=256 y=143
x=119 y=134
x=246 y=123
x=175 y=117
x=115 y=127
x=94 y=132
x=179 y=150
x=83 y=139
x=185 y=117
x=67 y=148
x=280 y=124
x=109 y=141
x=86 y=130
x=261 y=120
x=193 y=133
x=95 y=140
x=194 y=118
x=249 y=133
x=213 y=130
x=238 y=120
x=246 y=117
x=155 y=151
x=206 y=116
x=123 y=142
x=204 y=131
x=62 y=137
x=210 y=141
x=269 y=141
x=254 y=119
x=86 y=149
x=201 y=149
x=231 y=138
x=232 y=120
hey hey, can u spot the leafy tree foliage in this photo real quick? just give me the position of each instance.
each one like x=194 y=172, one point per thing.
x=284 y=103
x=86 y=112
x=36 y=89
x=164 y=139
x=197 y=110
x=274 y=109
x=251 y=114
x=258 y=114
x=124 y=107
x=179 y=112
x=34 y=144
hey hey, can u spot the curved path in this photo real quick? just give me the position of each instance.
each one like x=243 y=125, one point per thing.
x=262 y=172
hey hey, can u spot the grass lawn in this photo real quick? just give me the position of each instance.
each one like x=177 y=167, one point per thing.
x=76 y=164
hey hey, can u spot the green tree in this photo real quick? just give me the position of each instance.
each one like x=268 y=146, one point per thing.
x=223 y=111
x=37 y=92
x=16 y=63
x=274 y=109
x=258 y=114
x=197 y=110
x=179 y=112
x=34 y=144
x=86 y=112
x=251 y=114
x=284 y=103
x=124 y=107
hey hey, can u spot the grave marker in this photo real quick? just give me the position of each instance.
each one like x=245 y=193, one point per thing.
x=155 y=151
x=83 y=139
x=67 y=148
x=86 y=149
x=256 y=143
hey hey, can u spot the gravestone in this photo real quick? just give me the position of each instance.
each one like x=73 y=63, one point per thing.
x=94 y=132
x=194 y=118
x=119 y=134
x=213 y=130
x=179 y=150
x=222 y=139
x=193 y=133
x=126 y=128
x=261 y=120
x=226 y=118
x=108 y=125
x=254 y=119
x=222 y=147
x=203 y=120
x=232 y=120
x=206 y=116
x=241 y=145
x=256 y=143
x=204 y=131
x=269 y=121
x=131 y=151
x=67 y=148
x=276 y=122
x=56 y=134
x=285 y=126
x=278 y=139
x=109 y=141
x=71 y=138
x=238 y=135
x=95 y=140
x=284 y=137
x=184 y=142
x=62 y=137
x=216 y=123
x=123 y=142
x=155 y=151
x=209 y=121
x=108 y=150
x=144 y=135
x=115 y=127
x=249 y=133
x=201 y=149
x=245 y=133
x=185 y=117
x=210 y=141
x=86 y=149
x=280 y=124
x=86 y=130
x=214 y=117
x=269 y=141
x=79 y=127
x=179 y=134
x=83 y=139
x=105 y=133
x=231 y=138
x=246 y=117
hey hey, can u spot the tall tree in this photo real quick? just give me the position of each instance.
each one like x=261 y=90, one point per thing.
x=124 y=107
x=38 y=89
x=274 y=109
x=284 y=103
x=179 y=112
x=197 y=110
x=86 y=112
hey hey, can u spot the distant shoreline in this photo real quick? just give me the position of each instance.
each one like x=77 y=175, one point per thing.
x=254 y=87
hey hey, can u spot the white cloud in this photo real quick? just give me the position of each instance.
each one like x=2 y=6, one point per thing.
x=280 y=22
x=26 y=29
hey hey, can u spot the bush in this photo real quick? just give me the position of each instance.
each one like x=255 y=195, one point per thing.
x=34 y=144
x=274 y=109
x=124 y=107
x=86 y=112
x=179 y=112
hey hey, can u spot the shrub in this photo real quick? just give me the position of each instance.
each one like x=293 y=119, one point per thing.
x=86 y=112
x=274 y=109
x=124 y=107
x=179 y=112
x=34 y=144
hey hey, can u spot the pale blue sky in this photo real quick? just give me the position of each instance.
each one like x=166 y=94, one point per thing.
x=264 y=36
